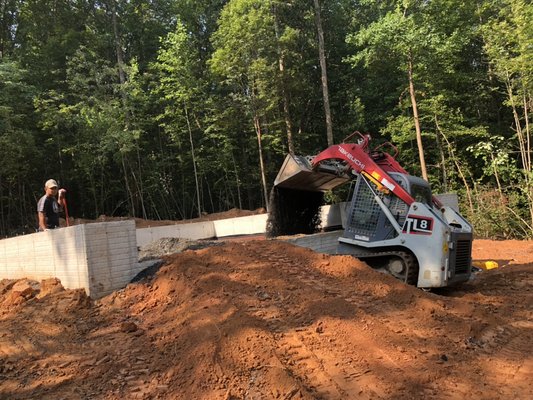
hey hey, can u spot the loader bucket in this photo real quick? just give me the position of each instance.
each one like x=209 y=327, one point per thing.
x=296 y=173
x=298 y=194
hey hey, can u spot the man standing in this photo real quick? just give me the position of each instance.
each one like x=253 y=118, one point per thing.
x=48 y=207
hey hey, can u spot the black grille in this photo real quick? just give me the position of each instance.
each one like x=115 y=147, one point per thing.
x=462 y=256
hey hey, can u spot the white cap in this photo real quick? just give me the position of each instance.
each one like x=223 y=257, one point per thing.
x=50 y=183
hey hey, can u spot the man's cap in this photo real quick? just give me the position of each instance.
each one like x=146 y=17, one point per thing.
x=50 y=183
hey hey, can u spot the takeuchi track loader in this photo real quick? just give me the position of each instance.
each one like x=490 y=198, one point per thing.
x=393 y=222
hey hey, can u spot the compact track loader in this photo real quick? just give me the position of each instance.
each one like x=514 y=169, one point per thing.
x=393 y=222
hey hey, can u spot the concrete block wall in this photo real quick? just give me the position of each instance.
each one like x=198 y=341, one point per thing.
x=254 y=224
x=99 y=257
x=57 y=253
x=250 y=225
x=449 y=199
x=333 y=215
x=112 y=257
x=193 y=231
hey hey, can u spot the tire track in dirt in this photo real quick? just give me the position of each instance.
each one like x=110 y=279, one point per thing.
x=305 y=350
x=503 y=347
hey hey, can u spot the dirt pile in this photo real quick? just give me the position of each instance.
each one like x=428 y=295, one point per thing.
x=267 y=320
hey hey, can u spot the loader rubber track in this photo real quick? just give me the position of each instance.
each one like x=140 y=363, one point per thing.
x=409 y=260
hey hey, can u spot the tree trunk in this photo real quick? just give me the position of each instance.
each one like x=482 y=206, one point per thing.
x=528 y=147
x=412 y=93
x=257 y=126
x=524 y=143
x=126 y=181
x=283 y=84
x=122 y=80
x=322 y=58
x=237 y=180
x=3 y=28
x=194 y=163
x=442 y=160
x=118 y=46
x=497 y=176
x=527 y=133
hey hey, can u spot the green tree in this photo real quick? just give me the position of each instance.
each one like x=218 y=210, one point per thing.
x=245 y=56
x=508 y=42
x=398 y=37
x=425 y=51
x=182 y=90
x=17 y=148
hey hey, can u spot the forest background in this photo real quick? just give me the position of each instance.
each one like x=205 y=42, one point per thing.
x=172 y=108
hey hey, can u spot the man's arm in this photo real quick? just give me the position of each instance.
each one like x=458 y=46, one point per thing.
x=42 y=221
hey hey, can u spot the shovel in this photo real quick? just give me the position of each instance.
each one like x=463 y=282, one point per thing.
x=64 y=203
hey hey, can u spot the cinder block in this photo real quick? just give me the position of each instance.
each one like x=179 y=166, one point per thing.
x=121 y=247
x=120 y=280
x=118 y=270
x=98 y=242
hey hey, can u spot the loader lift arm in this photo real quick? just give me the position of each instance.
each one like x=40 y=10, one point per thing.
x=337 y=164
x=362 y=162
x=375 y=164
x=299 y=186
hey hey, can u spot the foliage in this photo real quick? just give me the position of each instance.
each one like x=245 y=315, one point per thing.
x=153 y=109
x=17 y=146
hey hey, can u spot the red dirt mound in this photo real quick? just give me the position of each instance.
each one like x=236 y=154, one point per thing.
x=268 y=320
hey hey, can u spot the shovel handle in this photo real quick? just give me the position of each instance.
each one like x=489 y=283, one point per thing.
x=66 y=211
x=64 y=204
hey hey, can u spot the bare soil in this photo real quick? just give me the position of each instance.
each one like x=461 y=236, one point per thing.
x=263 y=319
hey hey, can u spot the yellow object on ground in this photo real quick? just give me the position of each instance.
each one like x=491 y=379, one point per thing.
x=485 y=264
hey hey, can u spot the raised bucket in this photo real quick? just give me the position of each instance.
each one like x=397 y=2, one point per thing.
x=296 y=173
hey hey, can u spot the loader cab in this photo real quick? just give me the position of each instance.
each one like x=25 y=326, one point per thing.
x=366 y=220
x=417 y=187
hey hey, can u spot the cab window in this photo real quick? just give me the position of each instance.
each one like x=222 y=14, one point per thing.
x=421 y=194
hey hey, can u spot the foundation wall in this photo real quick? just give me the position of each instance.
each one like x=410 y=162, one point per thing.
x=99 y=257
x=57 y=253
x=193 y=231
x=251 y=225
x=112 y=256
x=103 y=257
